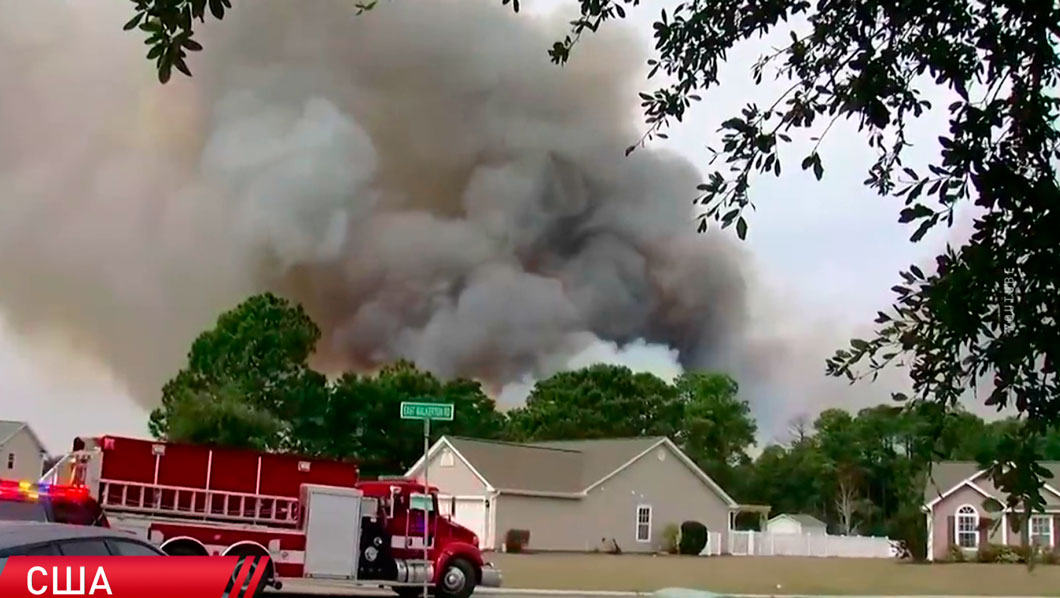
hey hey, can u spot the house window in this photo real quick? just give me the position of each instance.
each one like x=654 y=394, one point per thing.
x=644 y=523
x=447 y=458
x=967 y=529
x=11 y=460
x=1042 y=530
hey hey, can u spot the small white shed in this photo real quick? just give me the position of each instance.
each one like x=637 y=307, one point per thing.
x=796 y=524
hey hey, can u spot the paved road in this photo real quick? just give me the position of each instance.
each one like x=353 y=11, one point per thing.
x=298 y=588
x=576 y=594
x=364 y=593
x=318 y=589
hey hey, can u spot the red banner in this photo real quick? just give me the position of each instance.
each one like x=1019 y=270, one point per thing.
x=131 y=577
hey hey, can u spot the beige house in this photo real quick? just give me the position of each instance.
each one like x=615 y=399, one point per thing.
x=957 y=516
x=576 y=495
x=21 y=453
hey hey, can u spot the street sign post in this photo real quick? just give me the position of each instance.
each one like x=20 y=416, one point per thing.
x=426 y=411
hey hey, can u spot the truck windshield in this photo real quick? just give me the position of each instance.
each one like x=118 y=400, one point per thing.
x=20 y=510
x=421 y=502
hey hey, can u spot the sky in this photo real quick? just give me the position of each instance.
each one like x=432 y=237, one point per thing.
x=831 y=248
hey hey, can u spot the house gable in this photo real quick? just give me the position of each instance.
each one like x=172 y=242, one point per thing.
x=8 y=430
x=659 y=480
x=665 y=444
x=941 y=535
x=22 y=456
x=782 y=517
x=11 y=430
x=450 y=471
x=964 y=485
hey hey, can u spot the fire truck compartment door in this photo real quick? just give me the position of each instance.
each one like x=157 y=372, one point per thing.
x=333 y=531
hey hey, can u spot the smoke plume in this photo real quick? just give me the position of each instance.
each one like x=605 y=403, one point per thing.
x=420 y=177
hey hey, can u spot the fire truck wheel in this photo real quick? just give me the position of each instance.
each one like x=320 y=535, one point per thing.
x=458 y=580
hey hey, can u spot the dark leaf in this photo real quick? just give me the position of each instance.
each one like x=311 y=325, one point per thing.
x=164 y=72
x=217 y=8
x=181 y=66
x=134 y=22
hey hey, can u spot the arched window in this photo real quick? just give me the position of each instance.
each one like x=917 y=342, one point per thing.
x=967 y=527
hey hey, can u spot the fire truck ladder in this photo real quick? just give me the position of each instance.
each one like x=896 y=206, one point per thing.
x=117 y=496
x=198 y=503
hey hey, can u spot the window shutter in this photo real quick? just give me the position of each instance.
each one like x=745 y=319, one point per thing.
x=984 y=531
x=1056 y=531
x=951 y=527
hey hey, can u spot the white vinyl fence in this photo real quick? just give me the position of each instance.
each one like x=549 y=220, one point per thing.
x=713 y=547
x=751 y=543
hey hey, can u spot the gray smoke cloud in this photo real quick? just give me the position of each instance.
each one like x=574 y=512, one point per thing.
x=420 y=177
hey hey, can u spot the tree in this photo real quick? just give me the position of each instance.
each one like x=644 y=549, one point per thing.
x=599 y=401
x=222 y=416
x=789 y=479
x=843 y=442
x=248 y=383
x=798 y=428
x=715 y=427
x=363 y=416
x=251 y=370
x=850 y=505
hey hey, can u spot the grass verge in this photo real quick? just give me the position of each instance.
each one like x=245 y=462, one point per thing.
x=773 y=575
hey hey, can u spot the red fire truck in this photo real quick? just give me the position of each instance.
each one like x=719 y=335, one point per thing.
x=314 y=518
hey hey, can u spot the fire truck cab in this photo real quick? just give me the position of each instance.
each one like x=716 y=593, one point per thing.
x=313 y=517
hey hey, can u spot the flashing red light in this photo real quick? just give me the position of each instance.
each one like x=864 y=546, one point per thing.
x=34 y=491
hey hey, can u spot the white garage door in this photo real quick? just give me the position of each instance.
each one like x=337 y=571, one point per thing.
x=470 y=513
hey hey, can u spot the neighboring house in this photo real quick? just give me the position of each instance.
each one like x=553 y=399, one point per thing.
x=796 y=524
x=21 y=453
x=957 y=516
x=573 y=495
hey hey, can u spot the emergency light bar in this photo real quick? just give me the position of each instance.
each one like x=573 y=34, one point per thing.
x=35 y=491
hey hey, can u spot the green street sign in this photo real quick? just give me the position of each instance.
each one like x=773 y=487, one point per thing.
x=413 y=410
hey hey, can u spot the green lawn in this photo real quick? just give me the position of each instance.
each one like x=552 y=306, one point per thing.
x=779 y=575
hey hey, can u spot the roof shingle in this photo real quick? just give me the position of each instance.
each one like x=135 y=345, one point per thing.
x=558 y=466
x=9 y=428
x=945 y=475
